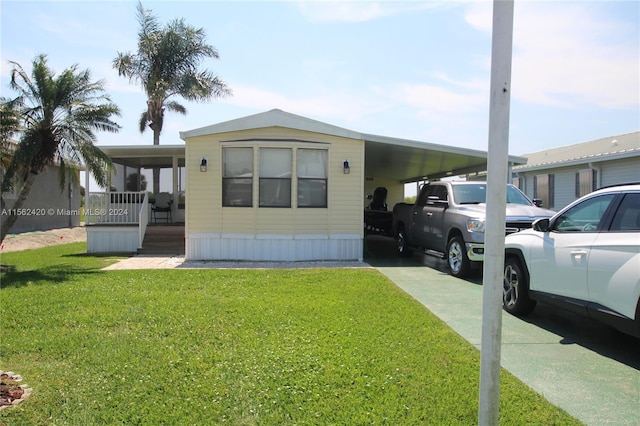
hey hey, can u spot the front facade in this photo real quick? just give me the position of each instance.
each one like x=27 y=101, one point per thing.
x=274 y=193
x=561 y=175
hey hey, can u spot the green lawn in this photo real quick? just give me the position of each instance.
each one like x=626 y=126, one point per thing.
x=240 y=347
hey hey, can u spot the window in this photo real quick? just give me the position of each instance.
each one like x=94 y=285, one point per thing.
x=312 y=177
x=586 y=216
x=275 y=177
x=585 y=182
x=237 y=177
x=627 y=218
x=437 y=191
x=543 y=189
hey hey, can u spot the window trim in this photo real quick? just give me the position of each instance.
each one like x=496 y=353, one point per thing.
x=226 y=179
x=294 y=145
x=308 y=179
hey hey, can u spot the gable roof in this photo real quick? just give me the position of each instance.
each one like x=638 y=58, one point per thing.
x=272 y=118
x=614 y=147
x=400 y=160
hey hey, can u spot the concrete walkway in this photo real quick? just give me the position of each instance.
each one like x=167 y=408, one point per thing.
x=584 y=368
x=587 y=369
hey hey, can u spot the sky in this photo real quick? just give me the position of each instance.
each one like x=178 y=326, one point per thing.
x=417 y=70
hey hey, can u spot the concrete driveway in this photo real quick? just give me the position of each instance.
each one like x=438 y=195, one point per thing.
x=589 y=370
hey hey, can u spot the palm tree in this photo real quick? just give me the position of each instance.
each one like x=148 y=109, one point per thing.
x=59 y=115
x=166 y=65
x=9 y=126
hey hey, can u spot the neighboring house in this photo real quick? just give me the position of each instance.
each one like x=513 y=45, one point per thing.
x=48 y=206
x=561 y=175
x=272 y=186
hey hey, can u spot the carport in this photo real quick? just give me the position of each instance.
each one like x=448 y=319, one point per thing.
x=393 y=162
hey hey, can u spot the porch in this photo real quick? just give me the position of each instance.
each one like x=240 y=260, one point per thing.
x=123 y=219
x=124 y=222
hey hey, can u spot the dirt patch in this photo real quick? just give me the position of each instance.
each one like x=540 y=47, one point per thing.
x=37 y=239
x=11 y=391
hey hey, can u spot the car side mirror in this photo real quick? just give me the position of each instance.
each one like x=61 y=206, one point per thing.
x=537 y=202
x=541 y=225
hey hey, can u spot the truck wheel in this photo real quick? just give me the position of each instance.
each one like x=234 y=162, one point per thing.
x=401 y=243
x=457 y=260
x=515 y=293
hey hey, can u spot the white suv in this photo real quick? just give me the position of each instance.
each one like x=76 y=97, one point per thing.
x=586 y=258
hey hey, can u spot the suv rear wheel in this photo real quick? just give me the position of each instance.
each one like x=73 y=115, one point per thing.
x=515 y=294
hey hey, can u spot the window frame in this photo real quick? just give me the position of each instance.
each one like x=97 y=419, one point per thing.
x=231 y=179
x=319 y=179
x=270 y=179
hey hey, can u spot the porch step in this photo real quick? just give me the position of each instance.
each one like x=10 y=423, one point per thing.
x=163 y=239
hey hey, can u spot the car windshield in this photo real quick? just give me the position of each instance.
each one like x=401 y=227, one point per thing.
x=477 y=194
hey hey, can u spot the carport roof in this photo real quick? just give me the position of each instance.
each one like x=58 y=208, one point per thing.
x=390 y=158
x=399 y=160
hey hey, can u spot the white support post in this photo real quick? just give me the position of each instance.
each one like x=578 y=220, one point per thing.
x=497 y=165
x=175 y=187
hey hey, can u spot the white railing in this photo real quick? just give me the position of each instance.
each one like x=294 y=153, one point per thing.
x=116 y=208
x=144 y=218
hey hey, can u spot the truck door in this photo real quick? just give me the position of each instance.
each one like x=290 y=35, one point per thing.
x=426 y=226
x=436 y=238
x=420 y=218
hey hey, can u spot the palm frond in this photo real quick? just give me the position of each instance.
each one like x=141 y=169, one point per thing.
x=175 y=107
x=144 y=120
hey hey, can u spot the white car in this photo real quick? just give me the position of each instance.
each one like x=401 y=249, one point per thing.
x=586 y=258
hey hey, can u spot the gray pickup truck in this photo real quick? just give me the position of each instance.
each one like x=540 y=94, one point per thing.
x=448 y=221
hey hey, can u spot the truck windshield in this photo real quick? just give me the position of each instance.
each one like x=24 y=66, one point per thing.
x=477 y=194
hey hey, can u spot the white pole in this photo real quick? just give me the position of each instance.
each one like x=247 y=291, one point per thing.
x=497 y=165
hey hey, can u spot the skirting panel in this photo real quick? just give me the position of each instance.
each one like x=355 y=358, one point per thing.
x=273 y=247
x=112 y=239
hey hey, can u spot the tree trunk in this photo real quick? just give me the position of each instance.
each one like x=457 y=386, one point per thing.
x=9 y=215
x=156 y=170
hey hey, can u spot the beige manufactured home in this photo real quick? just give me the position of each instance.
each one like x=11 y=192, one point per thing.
x=273 y=186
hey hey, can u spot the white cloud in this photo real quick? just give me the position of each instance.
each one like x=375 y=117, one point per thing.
x=327 y=104
x=360 y=11
x=568 y=54
x=444 y=97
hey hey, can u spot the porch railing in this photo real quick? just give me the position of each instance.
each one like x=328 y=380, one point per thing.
x=144 y=219
x=117 y=208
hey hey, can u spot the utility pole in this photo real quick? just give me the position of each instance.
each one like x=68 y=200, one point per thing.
x=497 y=165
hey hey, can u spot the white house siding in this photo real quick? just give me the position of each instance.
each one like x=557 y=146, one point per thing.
x=112 y=238
x=214 y=232
x=619 y=171
x=609 y=173
x=48 y=206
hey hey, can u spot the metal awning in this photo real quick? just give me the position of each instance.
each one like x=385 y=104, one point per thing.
x=145 y=156
x=399 y=160
x=406 y=161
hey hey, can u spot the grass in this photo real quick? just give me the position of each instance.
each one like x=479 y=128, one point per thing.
x=239 y=347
